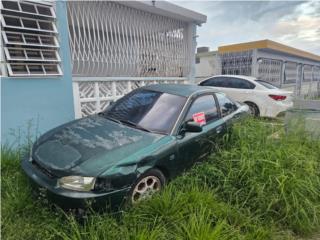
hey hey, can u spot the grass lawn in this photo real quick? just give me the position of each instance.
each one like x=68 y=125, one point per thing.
x=253 y=187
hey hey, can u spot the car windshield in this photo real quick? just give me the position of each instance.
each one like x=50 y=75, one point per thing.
x=147 y=110
x=266 y=84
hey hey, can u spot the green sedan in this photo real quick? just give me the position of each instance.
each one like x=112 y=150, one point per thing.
x=129 y=151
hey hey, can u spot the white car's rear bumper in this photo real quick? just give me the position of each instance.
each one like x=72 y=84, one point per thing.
x=273 y=110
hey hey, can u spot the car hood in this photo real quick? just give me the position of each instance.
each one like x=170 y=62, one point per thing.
x=89 y=146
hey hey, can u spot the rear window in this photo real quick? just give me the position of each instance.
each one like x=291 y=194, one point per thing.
x=266 y=84
x=214 y=82
x=228 y=82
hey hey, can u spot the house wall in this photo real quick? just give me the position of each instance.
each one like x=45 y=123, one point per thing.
x=284 y=67
x=116 y=48
x=109 y=39
x=209 y=65
x=32 y=106
x=36 y=105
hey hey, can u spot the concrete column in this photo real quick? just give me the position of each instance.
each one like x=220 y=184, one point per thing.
x=298 y=80
x=317 y=73
x=3 y=68
x=283 y=73
x=312 y=79
x=255 y=64
x=192 y=37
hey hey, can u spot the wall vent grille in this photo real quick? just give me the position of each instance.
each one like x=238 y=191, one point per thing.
x=29 y=39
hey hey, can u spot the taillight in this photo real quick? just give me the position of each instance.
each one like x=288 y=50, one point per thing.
x=278 y=97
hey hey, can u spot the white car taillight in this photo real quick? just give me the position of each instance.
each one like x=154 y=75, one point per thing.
x=278 y=97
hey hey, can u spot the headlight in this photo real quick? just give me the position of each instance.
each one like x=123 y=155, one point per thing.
x=77 y=183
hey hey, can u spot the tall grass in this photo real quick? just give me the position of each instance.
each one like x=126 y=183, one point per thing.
x=253 y=187
x=276 y=179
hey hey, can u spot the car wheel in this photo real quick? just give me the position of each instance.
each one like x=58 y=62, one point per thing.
x=253 y=108
x=146 y=185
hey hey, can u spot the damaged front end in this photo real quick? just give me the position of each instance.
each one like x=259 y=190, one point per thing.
x=86 y=162
x=50 y=187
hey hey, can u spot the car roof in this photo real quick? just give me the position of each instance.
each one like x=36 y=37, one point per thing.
x=250 y=78
x=184 y=90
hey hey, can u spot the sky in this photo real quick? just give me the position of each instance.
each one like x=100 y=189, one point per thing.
x=294 y=23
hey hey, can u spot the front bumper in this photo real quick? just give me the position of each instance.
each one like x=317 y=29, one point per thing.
x=68 y=199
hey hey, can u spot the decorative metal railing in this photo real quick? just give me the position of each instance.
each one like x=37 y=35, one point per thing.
x=109 y=39
x=307 y=73
x=93 y=95
x=270 y=70
x=237 y=63
x=290 y=72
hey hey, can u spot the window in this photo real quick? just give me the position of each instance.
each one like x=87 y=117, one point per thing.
x=205 y=104
x=154 y=111
x=30 y=9
x=18 y=38
x=238 y=83
x=226 y=105
x=228 y=82
x=197 y=60
x=30 y=39
x=266 y=84
x=31 y=54
x=214 y=82
x=33 y=69
x=10 y=5
x=28 y=24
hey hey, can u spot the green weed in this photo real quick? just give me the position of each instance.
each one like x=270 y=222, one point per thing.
x=254 y=187
x=276 y=179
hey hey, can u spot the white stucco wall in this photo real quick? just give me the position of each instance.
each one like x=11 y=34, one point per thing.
x=209 y=65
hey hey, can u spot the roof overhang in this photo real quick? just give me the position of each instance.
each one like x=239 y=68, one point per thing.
x=268 y=44
x=207 y=54
x=167 y=9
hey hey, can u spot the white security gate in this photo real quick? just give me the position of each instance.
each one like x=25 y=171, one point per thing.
x=109 y=39
x=270 y=70
x=116 y=48
x=237 y=63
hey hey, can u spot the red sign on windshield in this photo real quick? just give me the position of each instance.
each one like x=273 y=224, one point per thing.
x=199 y=118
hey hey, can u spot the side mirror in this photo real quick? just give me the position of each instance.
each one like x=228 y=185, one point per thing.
x=192 y=127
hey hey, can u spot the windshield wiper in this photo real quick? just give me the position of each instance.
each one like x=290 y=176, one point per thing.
x=113 y=119
x=123 y=121
x=128 y=122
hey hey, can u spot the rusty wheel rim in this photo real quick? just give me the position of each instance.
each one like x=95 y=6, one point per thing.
x=146 y=187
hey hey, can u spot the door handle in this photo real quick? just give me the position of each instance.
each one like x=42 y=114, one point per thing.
x=237 y=116
x=219 y=129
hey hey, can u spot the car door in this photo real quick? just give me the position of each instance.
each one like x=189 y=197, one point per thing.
x=239 y=89
x=236 y=88
x=195 y=146
x=228 y=109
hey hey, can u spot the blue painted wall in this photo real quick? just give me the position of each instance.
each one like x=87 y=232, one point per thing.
x=38 y=104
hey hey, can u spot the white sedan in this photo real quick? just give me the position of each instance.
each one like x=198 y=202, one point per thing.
x=263 y=98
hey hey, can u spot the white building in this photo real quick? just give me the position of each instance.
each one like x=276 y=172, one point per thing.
x=61 y=60
x=207 y=63
x=281 y=65
x=119 y=46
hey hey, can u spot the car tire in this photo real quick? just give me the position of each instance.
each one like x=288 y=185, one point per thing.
x=146 y=185
x=254 y=110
